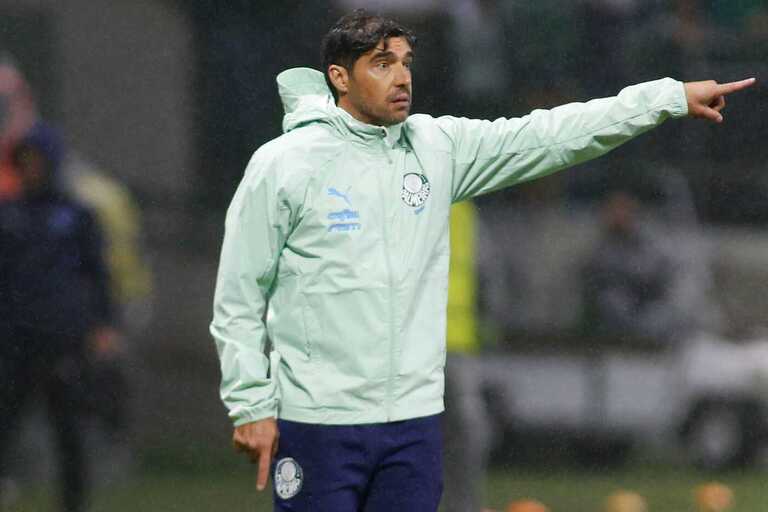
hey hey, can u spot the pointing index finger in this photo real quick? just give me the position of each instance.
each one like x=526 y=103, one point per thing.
x=263 y=474
x=735 y=86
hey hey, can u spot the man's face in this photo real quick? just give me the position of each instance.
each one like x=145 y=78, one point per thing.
x=379 y=88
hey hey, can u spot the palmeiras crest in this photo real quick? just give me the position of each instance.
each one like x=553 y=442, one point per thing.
x=288 y=478
x=415 y=189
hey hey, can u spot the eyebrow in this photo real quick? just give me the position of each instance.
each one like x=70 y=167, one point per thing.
x=386 y=54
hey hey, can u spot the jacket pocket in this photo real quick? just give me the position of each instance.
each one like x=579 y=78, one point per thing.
x=352 y=349
x=423 y=343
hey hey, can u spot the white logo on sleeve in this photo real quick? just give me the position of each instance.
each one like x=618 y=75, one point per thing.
x=415 y=189
x=288 y=478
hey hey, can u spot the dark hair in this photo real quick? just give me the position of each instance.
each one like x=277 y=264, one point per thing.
x=355 y=34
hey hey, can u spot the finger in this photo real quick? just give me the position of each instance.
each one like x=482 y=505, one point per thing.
x=261 y=480
x=734 y=86
x=718 y=104
x=711 y=114
x=274 y=448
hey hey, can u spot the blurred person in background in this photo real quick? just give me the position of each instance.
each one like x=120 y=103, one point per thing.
x=113 y=203
x=55 y=305
x=336 y=250
x=119 y=222
x=467 y=428
x=649 y=273
x=628 y=278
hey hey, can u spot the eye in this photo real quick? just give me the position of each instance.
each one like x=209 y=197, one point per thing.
x=382 y=65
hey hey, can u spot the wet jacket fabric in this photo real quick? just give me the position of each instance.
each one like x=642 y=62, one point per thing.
x=336 y=245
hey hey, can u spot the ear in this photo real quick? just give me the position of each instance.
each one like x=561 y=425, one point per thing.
x=339 y=77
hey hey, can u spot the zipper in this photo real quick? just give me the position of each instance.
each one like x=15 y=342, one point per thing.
x=389 y=401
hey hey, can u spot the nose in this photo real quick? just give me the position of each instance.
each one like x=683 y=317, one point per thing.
x=403 y=75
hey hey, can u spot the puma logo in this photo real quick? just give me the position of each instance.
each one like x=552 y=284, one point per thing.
x=333 y=192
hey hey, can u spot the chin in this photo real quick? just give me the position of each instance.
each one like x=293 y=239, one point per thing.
x=398 y=118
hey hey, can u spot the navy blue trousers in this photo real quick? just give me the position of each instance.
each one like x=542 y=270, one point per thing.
x=382 y=467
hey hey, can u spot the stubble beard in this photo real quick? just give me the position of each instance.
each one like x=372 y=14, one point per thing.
x=389 y=118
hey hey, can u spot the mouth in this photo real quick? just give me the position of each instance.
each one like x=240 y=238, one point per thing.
x=401 y=100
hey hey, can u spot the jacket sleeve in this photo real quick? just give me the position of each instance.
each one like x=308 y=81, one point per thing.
x=489 y=155
x=257 y=226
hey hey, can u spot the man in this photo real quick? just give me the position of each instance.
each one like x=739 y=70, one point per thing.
x=117 y=218
x=54 y=305
x=628 y=278
x=336 y=249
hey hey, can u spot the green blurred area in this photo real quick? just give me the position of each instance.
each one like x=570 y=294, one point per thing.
x=232 y=487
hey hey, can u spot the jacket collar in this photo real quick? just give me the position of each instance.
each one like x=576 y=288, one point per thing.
x=390 y=134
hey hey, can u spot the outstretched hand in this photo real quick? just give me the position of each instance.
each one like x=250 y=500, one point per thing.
x=706 y=99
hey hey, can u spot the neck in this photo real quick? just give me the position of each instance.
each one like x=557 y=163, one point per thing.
x=348 y=107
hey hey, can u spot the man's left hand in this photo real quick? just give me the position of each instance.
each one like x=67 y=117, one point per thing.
x=706 y=99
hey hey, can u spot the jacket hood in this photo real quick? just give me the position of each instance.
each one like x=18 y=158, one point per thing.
x=307 y=100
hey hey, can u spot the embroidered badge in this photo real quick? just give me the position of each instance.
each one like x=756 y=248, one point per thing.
x=415 y=189
x=288 y=478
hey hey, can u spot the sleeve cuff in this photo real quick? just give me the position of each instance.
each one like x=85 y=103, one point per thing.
x=681 y=106
x=243 y=416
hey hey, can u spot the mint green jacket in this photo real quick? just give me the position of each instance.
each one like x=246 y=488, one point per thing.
x=336 y=245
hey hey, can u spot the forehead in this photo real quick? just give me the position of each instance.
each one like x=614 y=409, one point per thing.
x=396 y=45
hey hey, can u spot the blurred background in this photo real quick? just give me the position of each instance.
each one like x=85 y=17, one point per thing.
x=161 y=103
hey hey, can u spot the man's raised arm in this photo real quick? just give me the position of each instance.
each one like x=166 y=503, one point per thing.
x=490 y=155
